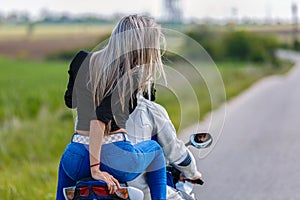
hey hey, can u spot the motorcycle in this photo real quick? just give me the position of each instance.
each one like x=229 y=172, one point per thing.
x=90 y=189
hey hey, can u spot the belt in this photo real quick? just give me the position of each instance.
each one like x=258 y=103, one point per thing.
x=117 y=137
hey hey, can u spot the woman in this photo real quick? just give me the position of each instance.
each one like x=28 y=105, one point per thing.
x=105 y=82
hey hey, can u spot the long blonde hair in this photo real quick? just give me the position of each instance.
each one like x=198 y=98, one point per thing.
x=134 y=44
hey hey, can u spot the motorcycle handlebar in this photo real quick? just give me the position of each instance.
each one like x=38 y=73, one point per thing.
x=197 y=181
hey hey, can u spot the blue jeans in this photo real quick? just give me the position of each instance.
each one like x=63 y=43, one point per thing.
x=122 y=160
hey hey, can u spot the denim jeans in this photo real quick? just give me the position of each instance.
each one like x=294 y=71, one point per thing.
x=122 y=160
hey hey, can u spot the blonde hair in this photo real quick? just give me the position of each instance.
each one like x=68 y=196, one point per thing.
x=133 y=46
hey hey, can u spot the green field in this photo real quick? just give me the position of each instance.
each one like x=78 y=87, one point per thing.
x=35 y=126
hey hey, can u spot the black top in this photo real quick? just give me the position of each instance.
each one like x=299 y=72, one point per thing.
x=79 y=95
x=111 y=111
x=70 y=95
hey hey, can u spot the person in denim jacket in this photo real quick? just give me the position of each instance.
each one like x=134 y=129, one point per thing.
x=149 y=120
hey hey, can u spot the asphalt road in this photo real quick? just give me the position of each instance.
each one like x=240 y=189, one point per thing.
x=257 y=155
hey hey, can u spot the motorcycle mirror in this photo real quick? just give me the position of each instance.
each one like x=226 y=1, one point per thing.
x=200 y=140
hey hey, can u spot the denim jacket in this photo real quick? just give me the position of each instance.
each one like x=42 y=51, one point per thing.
x=151 y=119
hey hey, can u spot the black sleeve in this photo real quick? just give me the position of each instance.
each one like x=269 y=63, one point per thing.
x=103 y=111
x=70 y=96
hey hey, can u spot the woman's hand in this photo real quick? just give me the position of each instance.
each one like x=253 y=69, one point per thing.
x=111 y=182
x=197 y=176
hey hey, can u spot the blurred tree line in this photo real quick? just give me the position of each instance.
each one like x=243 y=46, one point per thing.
x=237 y=45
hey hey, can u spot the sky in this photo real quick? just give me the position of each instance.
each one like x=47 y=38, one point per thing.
x=219 y=9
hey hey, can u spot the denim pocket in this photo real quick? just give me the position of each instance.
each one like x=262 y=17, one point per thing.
x=72 y=162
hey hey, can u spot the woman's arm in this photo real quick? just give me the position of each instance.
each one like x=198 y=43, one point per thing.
x=96 y=135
